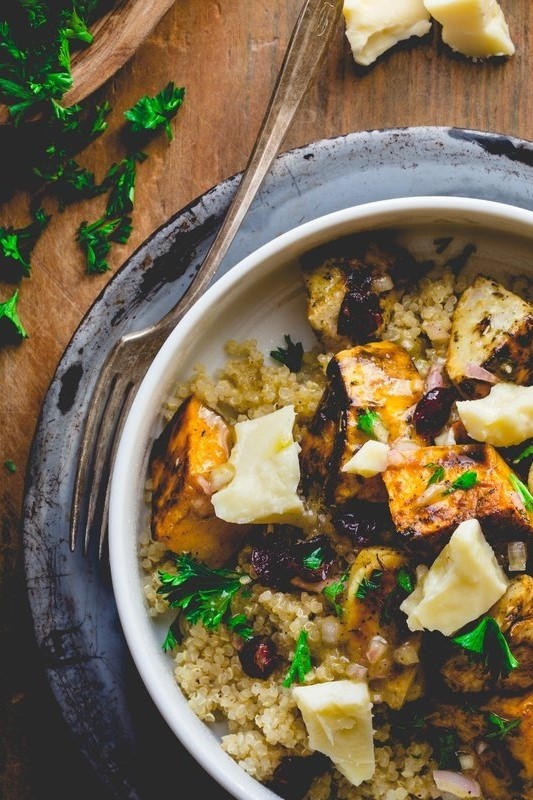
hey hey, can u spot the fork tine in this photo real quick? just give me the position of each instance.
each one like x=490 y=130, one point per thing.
x=103 y=449
x=97 y=515
x=104 y=385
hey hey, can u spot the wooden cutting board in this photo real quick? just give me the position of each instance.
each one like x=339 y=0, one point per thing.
x=117 y=35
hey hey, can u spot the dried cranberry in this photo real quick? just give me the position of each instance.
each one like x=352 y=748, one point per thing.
x=259 y=657
x=362 y=522
x=433 y=410
x=294 y=775
x=360 y=312
x=281 y=556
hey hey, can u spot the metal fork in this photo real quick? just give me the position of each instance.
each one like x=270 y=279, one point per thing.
x=129 y=359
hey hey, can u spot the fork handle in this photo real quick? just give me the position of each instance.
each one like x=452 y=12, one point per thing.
x=311 y=37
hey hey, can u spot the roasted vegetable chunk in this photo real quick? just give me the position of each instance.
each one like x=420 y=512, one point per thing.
x=371 y=392
x=475 y=732
x=352 y=289
x=376 y=634
x=514 y=615
x=193 y=443
x=432 y=489
x=492 y=330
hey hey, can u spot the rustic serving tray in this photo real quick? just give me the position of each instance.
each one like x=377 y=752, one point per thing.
x=117 y=35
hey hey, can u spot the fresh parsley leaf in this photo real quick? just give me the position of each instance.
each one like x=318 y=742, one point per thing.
x=447 y=747
x=404 y=586
x=240 y=625
x=526 y=453
x=523 y=491
x=314 y=560
x=464 y=482
x=370 y=584
x=488 y=642
x=333 y=590
x=75 y=27
x=173 y=637
x=291 y=355
x=36 y=11
x=442 y=243
x=203 y=594
x=366 y=422
x=152 y=113
x=10 y=465
x=12 y=330
x=121 y=179
x=500 y=727
x=437 y=476
x=95 y=239
x=301 y=663
x=405 y=580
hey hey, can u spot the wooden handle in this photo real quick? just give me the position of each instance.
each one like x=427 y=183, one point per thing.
x=117 y=35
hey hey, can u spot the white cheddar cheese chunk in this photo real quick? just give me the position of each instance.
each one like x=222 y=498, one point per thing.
x=374 y=26
x=463 y=582
x=475 y=28
x=503 y=418
x=266 y=472
x=338 y=718
x=369 y=460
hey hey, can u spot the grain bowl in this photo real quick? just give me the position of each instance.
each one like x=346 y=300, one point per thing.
x=370 y=341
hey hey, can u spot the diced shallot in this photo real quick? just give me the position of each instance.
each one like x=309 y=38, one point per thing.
x=382 y=284
x=517 y=556
x=376 y=649
x=479 y=373
x=432 y=494
x=456 y=783
x=406 y=655
x=435 y=378
x=467 y=761
x=357 y=672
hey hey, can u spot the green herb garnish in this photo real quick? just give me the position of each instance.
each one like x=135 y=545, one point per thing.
x=95 y=239
x=370 y=584
x=488 y=642
x=291 y=355
x=464 y=482
x=526 y=453
x=12 y=330
x=333 y=590
x=173 y=637
x=301 y=662
x=151 y=113
x=314 y=560
x=10 y=465
x=447 y=746
x=203 y=594
x=367 y=421
x=404 y=586
x=437 y=475
x=500 y=727
x=523 y=491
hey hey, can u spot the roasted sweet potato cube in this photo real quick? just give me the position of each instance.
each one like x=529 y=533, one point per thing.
x=492 y=328
x=371 y=610
x=432 y=512
x=194 y=442
x=352 y=286
x=378 y=377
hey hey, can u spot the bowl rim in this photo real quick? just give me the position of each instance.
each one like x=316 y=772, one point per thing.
x=153 y=667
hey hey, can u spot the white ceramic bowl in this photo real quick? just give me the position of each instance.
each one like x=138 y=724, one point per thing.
x=263 y=298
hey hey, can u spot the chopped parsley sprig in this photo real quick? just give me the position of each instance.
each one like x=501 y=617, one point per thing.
x=151 y=113
x=487 y=642
x=12 y=331
x=437 y=475
x=333 y=590
x=464 y=482
x=291 y=355
x=370 y=584
x=201 y=593
x=523 y=491
x=498 y=727
x=301 y=662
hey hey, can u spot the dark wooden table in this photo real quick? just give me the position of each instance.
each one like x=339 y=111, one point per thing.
x=227 y=54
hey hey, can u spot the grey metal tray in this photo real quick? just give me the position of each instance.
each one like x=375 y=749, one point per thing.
x=84 y=656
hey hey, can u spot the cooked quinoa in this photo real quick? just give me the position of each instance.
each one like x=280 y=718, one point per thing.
x=263 y=720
